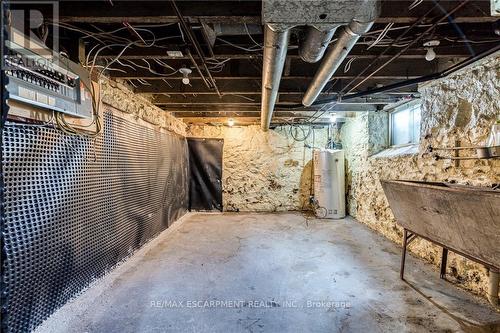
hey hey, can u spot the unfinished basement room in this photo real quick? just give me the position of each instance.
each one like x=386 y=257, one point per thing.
x=250 y=166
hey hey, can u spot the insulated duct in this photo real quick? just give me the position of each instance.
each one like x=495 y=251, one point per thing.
x=320 y=18
x=315 y=43
x=334 y=58
x=275 y=48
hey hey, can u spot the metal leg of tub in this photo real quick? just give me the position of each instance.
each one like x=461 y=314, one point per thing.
x=403 y=256
x=444 y=260
x=408 y=237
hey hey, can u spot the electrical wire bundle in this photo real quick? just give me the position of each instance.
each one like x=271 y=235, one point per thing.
x=106 y=40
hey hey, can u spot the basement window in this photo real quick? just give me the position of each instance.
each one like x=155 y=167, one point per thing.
x=405 y=124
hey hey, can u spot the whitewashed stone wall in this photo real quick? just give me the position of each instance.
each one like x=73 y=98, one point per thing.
x=120 y=97
x=461 y=107
x=263 y=171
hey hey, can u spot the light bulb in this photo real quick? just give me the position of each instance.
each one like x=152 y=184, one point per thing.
x=230 y=122
x=430 y=55
x=185 y=74
x=333 y=117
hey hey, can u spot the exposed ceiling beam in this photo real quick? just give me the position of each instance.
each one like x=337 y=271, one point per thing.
x=359 y=52
x=249 y=94
x=149 y=76
x=239 y=12
x=249 y=120
x=289 y=99
x=211 y=108
x=398 y=11
x=399 y=68
x=257 y=78
x=162 y=19
x=196 y=87
x=238 y=19
x=241 y=121
x=238 y=114
x=222 y=52
x=256 y=112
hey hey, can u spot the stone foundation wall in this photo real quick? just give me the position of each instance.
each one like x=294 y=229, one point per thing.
x=263 y=171
x=462 y=107
x=120 y=97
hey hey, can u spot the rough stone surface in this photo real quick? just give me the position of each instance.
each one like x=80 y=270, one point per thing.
x=462 y=107
x=263 y=171
x=123 y=99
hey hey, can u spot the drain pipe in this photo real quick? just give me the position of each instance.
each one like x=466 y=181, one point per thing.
x=334 y=58
x=315 y=43
x=493 y=280
x=275 y=48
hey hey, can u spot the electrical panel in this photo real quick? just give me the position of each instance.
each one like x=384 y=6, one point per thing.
x=51 y=83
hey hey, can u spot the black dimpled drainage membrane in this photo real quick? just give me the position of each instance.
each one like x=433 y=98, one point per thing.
x=74 y=207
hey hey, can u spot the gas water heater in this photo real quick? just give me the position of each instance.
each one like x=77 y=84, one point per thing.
x=329 y=183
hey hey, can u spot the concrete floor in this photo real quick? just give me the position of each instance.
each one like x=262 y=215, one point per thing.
x=282 y=273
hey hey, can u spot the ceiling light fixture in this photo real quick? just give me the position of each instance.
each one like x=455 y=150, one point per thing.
x=230 y=122
x=333 y=117
x=185 y=73
x=431 y=55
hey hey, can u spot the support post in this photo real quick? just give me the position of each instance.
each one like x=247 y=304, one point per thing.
x=444 y=260
x=403 y=256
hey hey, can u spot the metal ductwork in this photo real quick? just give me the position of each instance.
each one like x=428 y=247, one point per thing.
x=321 y=18
x=334 y=58
x=315 y=43
x=275 y=48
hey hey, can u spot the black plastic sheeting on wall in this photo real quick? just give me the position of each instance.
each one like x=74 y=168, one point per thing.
x=4 y=108
x=205 y=169
x=74 y=207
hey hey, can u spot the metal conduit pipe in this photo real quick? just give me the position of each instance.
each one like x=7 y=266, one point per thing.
x=314 y=45
x=335 y=56
x=275 y=48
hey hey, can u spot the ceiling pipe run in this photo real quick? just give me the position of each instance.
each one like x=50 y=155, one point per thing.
x=315 y=43
x=275 y=48
x=334 y=58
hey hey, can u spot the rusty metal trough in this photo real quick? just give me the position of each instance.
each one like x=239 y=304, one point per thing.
x=463 y=219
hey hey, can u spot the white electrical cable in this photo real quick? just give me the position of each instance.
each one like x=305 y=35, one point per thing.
x=415 y=4
x=85 y=32
x=132 y=83
x=126 y=65
x=347 y=66
x=109 y=68
x=150 y=70
x=251 y=38
x=251 y=49
x=382 y=35
x=144 y=82
x=164 y=64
